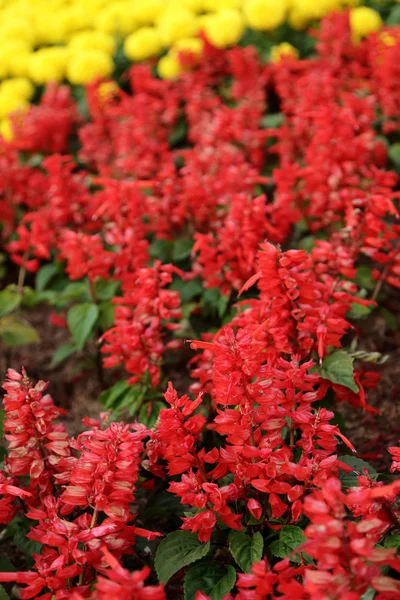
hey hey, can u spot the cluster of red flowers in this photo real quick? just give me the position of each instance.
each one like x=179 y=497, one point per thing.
x=190 y=160
x=95 y=473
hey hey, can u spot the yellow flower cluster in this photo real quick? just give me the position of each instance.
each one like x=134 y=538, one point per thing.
x=76 y=40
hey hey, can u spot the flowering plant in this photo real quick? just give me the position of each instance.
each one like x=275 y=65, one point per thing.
x=210 y=249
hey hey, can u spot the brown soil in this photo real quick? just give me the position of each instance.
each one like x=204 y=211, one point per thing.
x=72 y=387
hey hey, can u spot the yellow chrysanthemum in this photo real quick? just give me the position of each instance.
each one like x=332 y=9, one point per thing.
x=117 y=19
x=191 y=45
x=20 y=86
x=176 y=24
x=18 y=63
x=363 y=21
x=224 y=28
x=169 y=66
x=281 y=50
x=17 y=29
x=88 y=65
x=92 y=40
x=10 y=103
x=143 y=43
x=217 y=5
x=265 y=15
x=48 y=64
x=146 y=12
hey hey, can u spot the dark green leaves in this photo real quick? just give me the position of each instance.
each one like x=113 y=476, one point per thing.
x=177 y=550
x=213 y=579
x=246 y=550
x=338 y=368
x=358 y=466
x=290 y=538
x=81 y=319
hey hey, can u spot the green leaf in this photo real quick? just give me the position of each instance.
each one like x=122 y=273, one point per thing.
x=338 y=368
x=369 y=594
x=278 y=549
x=393 y=541
x=3 y=594
x=109 y=397
x=357 y=465
x=272 y=120
x=178 y=549
x=182 y=249
x=106 y=316
x=45 y=275
x=215 y=302
x=6 y=565
x=178 y=135
x=187 y=289
x=246 y=550
x=394 y=17
x=358 y=311
x=29 y=547
x=149 y=412
x=105 y=289
x=76 y=291
x=61 y=354
x=394 y=154
x=292 y=536
x=161 y=249
x=364 y=277
x=213 y=579
x=10 y=299
x=17 y=333
x=81 y=319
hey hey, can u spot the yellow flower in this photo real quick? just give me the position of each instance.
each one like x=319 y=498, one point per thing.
x=88 y=65
x=92 y=40
x=10 y=103
x=48 y=64
x=107 y=90
x=20 y=86
x=147 y=11
x=363 y=21
x=177 y=24
x=117 y=18
x=302 y=12
x=190 y=45
x=19 y=63
x=169 y=66
x=6 y=129
x=224 y=28
x=265 y=15
x=18 y=29
x=142 y=44
x=281 y=50
x=216 y=5
x=197 y=6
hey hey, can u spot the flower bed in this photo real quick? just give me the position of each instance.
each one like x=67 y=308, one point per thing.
x=214 y=247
